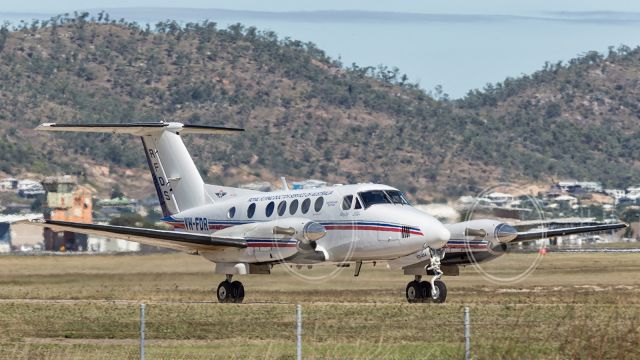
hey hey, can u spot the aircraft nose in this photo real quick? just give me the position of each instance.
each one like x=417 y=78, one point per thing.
x=436 y=234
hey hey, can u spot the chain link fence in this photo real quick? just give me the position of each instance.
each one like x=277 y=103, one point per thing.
x=87 y=329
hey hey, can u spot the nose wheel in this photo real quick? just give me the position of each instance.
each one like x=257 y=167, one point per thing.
x=422 y=292
x=230 y=292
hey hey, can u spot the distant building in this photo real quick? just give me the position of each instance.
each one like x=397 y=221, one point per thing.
x=500 y=199
x=30 y=189
x=104 y=245
x=633 y=191
x=18 y=236
x=118 y=206
x=66 y=201
x=25 y=188
x=309 y=184
x=8 y=184
x=257 y=186
x=567 y=199
x=580 y=186
x=5 y=237
x=27 y=184
x=615 y=193
x=442 y=212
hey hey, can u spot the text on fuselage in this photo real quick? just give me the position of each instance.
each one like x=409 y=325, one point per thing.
x=196 y=223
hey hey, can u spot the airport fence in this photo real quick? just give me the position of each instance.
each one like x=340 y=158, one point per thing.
x=87 y=329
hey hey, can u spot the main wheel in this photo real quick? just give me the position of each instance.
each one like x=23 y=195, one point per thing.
x=237 y=291
x=413 y=292
x=425 y=291
x=440 y=292
x=225 y=292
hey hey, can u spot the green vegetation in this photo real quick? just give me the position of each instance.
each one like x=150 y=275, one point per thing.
x=308 y=115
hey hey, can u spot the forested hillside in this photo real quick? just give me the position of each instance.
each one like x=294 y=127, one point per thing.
x=307 y=115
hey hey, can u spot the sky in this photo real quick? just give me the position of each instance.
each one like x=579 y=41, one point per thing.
x=437 y=6
x=461 y=51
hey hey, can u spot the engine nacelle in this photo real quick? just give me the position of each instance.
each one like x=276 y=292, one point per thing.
x=497 y=233
x=306 y=231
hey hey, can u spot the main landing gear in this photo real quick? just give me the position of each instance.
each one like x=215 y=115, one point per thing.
x=419 y=291
x=230 y=292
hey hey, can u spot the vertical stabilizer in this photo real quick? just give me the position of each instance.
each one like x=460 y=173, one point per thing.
x=176 y=178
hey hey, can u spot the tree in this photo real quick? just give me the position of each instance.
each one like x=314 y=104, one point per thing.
x=116 y=192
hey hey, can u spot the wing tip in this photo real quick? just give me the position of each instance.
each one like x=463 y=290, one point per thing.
x=45 y=126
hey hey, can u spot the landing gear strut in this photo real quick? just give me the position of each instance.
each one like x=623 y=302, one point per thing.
x=435 y=290
x=230 y=292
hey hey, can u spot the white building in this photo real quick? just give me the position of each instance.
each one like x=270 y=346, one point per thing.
x=587 y=186
x=8 y=184
x=500 y=199
x=614 y=193
x=566 y=199
x=104 y=245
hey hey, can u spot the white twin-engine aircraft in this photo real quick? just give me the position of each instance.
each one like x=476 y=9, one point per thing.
x=248 y=232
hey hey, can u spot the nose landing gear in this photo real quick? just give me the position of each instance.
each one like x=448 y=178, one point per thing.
x=230 y=292
x=423 y=292
x=435 y=290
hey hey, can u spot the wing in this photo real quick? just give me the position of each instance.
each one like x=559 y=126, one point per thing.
x=164 y=238
x=542 y=234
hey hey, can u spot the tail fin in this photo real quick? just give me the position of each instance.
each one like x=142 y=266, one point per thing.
x=176 y=178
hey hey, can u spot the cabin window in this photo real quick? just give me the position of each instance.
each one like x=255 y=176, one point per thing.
x=231 y=213
x=306 y=204
x=358 y=205
x=251 y=210
x=269 y=209
x=282 y=207
x=346 y=202
x=293 y=207
x=397 y=197
x=374 y=197
x=317 y=206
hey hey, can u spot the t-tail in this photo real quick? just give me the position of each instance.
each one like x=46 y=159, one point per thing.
x=178 y=183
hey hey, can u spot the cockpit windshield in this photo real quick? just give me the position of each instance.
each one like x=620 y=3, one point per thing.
x=397 y=197
x=374 y=197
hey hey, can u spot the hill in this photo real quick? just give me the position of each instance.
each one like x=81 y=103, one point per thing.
x=306 y=114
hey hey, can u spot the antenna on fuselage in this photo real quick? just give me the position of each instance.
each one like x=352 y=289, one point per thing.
x=285 y=186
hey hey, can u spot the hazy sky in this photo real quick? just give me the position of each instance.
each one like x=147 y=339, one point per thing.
x=440 y=6
x=458 y=52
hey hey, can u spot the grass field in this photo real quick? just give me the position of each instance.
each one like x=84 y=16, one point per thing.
x=573 y=306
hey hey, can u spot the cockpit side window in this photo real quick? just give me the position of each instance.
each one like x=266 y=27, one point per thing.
x=358 y=206
x=346 y=202
x=374 y=197
x=397 y=197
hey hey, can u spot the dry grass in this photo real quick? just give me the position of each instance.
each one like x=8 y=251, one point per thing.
x=572 y=306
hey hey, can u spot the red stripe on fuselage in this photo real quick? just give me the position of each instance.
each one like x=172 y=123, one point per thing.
x=179 y=225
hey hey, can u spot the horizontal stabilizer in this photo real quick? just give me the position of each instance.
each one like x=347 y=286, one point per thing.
x=140 y=129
